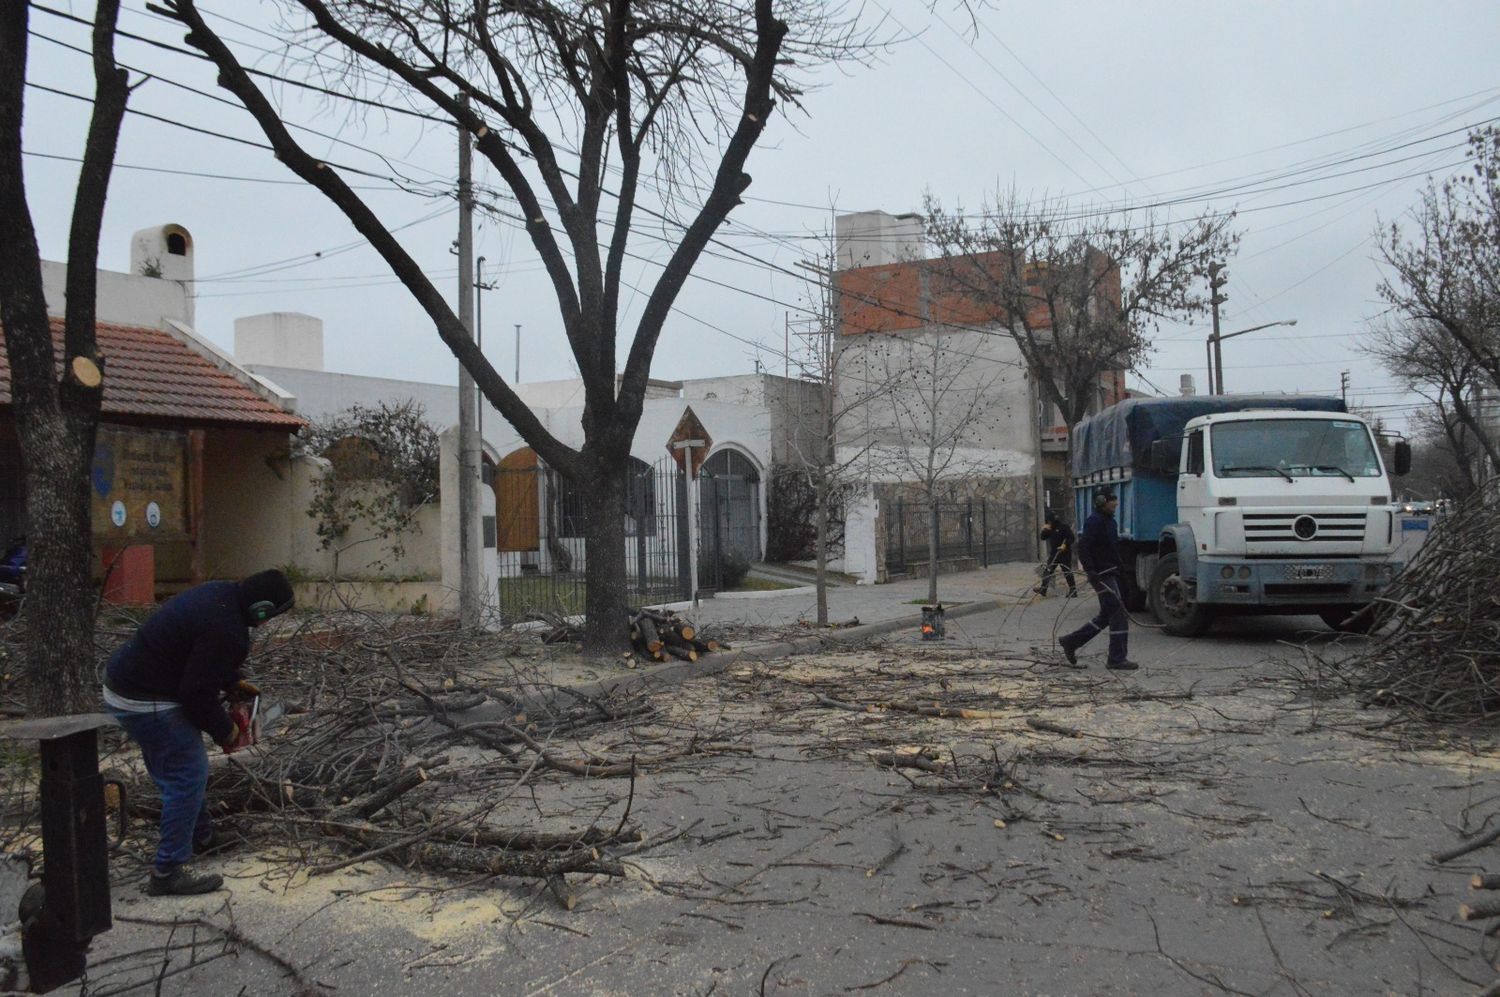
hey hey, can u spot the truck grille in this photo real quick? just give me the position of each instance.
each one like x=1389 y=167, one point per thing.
x=1315 y=527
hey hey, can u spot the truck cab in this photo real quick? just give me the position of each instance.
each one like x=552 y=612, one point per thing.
x=1276 y=509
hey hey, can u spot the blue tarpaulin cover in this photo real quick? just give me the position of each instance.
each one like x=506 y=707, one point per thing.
x=1121 y=435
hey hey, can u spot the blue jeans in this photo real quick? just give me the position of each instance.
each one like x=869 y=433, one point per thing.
x=1111 y=615
x=178 y=763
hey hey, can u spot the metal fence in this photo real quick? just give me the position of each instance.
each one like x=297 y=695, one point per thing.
x=540 y=539
x=985 y=531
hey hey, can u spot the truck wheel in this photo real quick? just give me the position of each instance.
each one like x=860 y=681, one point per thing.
x=1136 y=600
x=1173 y=604
x=1349 y=619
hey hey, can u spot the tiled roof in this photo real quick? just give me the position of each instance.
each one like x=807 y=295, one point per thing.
x=151 y=375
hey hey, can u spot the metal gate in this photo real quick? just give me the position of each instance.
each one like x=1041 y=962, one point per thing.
x=540 y=517
x=728 y=519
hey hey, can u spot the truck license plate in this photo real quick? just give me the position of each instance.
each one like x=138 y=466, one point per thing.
x=1310 y=572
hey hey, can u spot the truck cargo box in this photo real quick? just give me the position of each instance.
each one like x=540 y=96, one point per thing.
x=1121 y=435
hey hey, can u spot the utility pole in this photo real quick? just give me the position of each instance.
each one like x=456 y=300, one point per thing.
x=470 y=602
x=1216 y=280
x=1344 y=386
x=479 y=288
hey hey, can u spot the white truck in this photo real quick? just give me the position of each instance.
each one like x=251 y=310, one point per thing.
x=1244 y=504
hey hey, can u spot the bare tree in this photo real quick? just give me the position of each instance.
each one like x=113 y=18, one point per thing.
x=1425 y=358
x=938 y=404
x=830 y=457
x=634 y=91
x=55 y=399
x=1445 y=457
x=1446 y=264
x=1079 y=292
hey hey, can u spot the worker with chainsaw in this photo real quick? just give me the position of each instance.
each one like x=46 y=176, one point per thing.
x=1099 y=554
x=166 y=687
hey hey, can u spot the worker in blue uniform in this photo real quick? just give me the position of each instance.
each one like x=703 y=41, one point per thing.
x=1099 y=554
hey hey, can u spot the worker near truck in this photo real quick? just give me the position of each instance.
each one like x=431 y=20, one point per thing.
x=164 y=685
x=1099 y=555
x=1060 y=540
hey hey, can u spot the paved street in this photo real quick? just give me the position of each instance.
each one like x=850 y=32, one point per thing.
x=1205 y=825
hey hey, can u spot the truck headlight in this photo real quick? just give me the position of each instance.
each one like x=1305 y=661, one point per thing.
x=1245 y=571
x=1226 y=572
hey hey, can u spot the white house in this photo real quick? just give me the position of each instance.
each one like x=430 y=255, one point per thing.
x=751 y=421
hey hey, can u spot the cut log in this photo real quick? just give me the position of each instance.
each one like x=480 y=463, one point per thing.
x=687 y=631
x=673 y=638
x=1485 y=881
x=702 y=646
x=1479 y=910
x=559 y=889
x=685 y=653
x=649 y=635
x=906 y=760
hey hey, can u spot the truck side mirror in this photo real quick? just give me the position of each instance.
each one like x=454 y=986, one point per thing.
x=1402 y=455
x=1166 y=455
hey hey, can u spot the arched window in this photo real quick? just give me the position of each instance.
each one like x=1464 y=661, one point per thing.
x=176 y=244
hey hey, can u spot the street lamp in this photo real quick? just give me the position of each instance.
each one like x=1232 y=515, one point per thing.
x=1216 y=354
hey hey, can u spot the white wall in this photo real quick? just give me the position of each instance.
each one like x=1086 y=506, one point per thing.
x=875 y=238
x=968 y=362
x=123 y=299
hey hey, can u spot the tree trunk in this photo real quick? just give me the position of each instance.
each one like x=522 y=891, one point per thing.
x=933 y=528
x=60 y=666
x=603 y=487
x=820 y=545
x=56 y=416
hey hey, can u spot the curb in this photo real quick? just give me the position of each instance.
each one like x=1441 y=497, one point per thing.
x=669 y=674
x=767 y=593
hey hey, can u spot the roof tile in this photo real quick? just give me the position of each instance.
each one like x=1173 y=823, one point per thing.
x=150 y=374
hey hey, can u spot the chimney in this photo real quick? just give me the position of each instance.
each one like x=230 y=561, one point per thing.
x=279 y=339
x=1186 y=388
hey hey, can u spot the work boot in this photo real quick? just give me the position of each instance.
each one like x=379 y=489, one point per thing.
x=1122 y=666
x=1070 y=655
x=1041 y=591
x=182 y=883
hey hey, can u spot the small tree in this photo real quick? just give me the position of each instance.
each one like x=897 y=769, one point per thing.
x=827 y=457
x=55 y=399
x=1079 y=292
x=383 y=469
x=939 y=405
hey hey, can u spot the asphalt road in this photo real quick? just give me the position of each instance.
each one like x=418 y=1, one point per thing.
x=1206 y=825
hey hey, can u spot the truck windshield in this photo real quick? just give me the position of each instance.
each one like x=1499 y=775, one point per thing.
x=1294 y=448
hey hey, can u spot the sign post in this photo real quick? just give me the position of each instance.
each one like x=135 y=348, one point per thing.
x=689 y=445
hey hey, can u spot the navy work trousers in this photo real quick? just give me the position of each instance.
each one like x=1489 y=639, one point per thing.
x=173 y=750
x=1111 y=616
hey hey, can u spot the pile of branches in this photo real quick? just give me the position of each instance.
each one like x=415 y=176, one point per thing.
x=403 y=743
x=1436 y=652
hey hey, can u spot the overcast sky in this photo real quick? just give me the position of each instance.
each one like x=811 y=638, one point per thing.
x=1316 y=120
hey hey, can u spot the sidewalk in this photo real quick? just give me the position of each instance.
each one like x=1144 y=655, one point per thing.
x=1007 y=583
